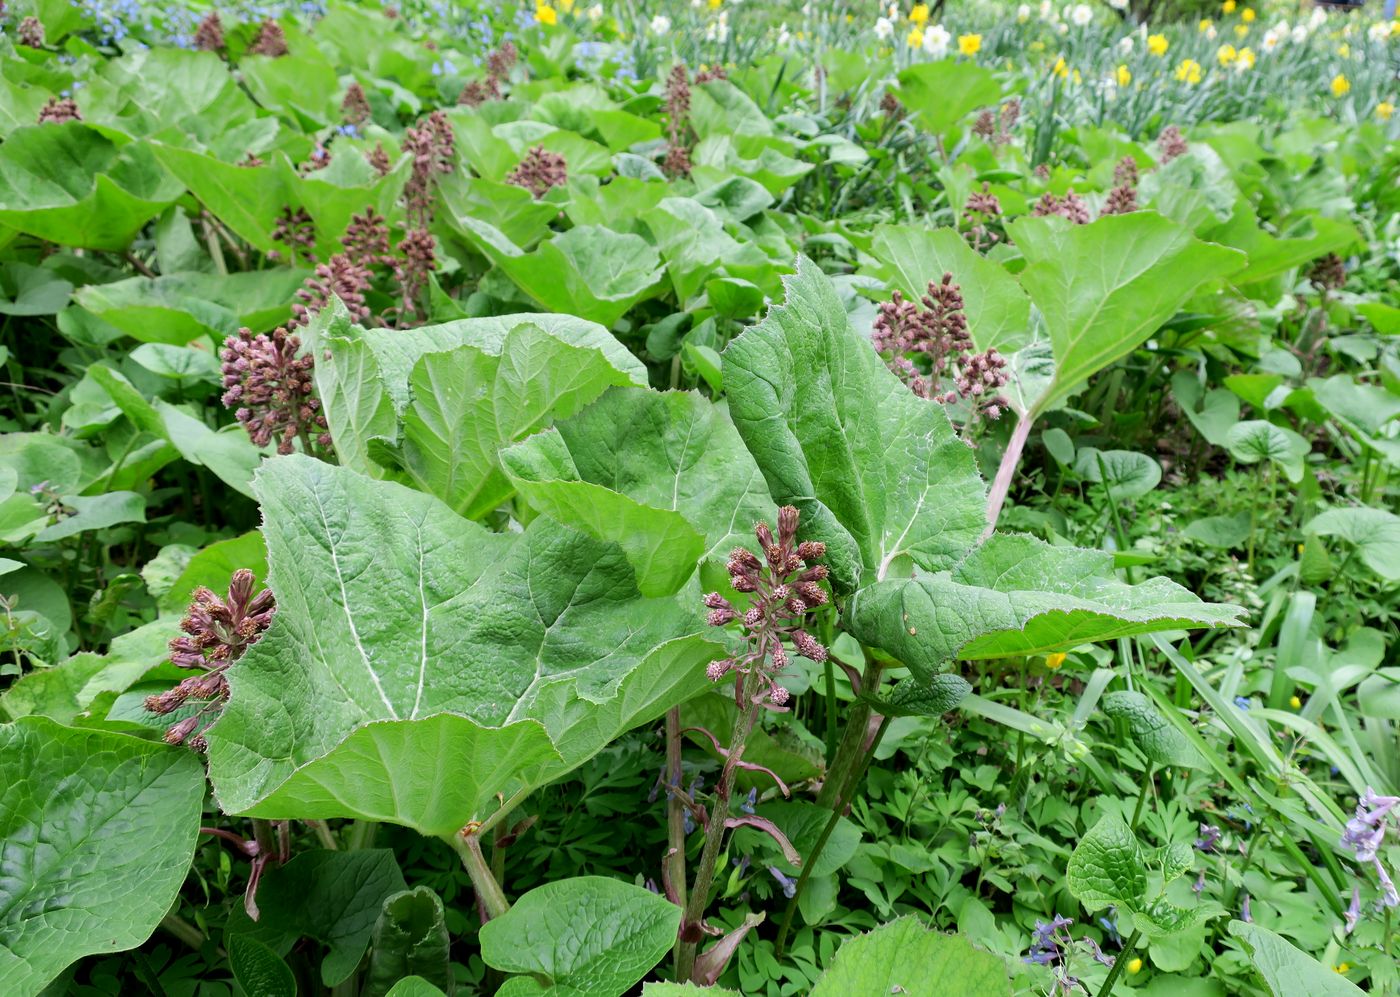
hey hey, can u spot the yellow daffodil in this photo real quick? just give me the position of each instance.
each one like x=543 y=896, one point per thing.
x=1384 y=110
x=1189 y=71
x=1226 y=54
x=919 y=15
x=567 y=6
x=1395 y=28
x=715 y=4
x=1247 y=15
x=1204 y=25
x=1054 y=661
x=1059 y=68
x=1241 y=30
x=969 y=44
x=915 y=39
x=1228 y=6
x=1123 y=77
x=1344 y=50
x=1158 y=44
x=546 y=14
x=1246 y=59
x=1295 y=702
x=1134 y=966
x=1341 y=86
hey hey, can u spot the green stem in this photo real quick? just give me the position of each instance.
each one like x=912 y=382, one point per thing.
x=1119 y=963
x=1142 y=797
x=323 y=835
x=694 y=910
x=852 y=782
x=488 y=891
x=675 y=809
x=362 y=834
x=183 y=930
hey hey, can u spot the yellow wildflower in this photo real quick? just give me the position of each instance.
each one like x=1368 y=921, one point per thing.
x=1246 y=58
x=1037 y=46
x=1157 y=44
x=1226 y=54
x=1241 y=30
x=1296 y=703
x=1204 y=25
x=1189 y=71
x=1228 y=6
x=919 y=15
x=1342 y=967
x=715 y=4
x=1059 y=68
x=546 y=14
x=1247 y=15
x=1054 y=661
x=915 y=39
x=567 y=6
x=1341 y=86
x=969 y=44
x=1134 y=966
x=1344 y=50
x=1123 y=76
x=1384 y=110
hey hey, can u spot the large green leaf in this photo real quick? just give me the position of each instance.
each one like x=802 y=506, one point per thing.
x=910 y=257
x=468 y=403
x=70 y=184
x=1287 y=970
x=1154 y=735
x=940 y=93
x=663 y=475
x=584 y=937
x=180 y=308
x=878 y=473
x=97 y=831
x=246 y=199
x=1016 y=595
x=904 y=957
x=588 y=271
x=364 y=381
x=1375 y=533
x=418 y=665
x=1104 y=288
x=1258 y=440
x=333 y=897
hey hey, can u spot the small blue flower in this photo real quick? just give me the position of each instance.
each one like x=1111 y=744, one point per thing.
x=1242 y=702
x=789 y=885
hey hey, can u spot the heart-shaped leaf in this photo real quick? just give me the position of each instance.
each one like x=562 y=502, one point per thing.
x=1106 y=867
x=83 y=800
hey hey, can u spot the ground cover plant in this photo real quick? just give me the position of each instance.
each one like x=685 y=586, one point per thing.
x=601 y=499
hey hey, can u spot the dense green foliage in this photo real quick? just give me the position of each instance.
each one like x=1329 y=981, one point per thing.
x=585 y=500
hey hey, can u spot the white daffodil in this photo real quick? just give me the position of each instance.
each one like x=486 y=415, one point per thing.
x=936 y=41
x=1081 y=14
x=660 y=24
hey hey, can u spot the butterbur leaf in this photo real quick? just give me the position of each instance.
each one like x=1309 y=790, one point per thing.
x=1106 y=867
x=95 y=512
x=258 y=969
x=410 y=940
x=468 y=403
x=1257 y=440
x=941 y=92
x=1374 y=532
x=663 y=475
x=1126 y=473
x=333 y=897
x=1104 y=288
x=584 y=937
x=933 y=698
x=1016 y=595
x=418 y=665
x=1154 y=735
x=1285 y=969
x=877 y=473
x=98 y=831
x=904 y=957
x=414 y=986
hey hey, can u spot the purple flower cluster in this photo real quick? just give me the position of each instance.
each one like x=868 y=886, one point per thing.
x=216 y=634
x=270 y=389
x=1170 y=144
x=271 y=41
x=677 y=162
x=784 y=589
x=59 y=110
x=1071 y=207
x=209 y=36
x=938 y=332
x=354 y=108
x=1365 y=833
x=539 y=171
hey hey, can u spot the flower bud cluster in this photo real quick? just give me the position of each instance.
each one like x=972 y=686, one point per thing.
x=1170 y=144
x=216 y=633
x=1071 y=207
x=785 y=587
x=59 y=110
x=539 y=171
x=270 y=388
x=677 y=162
x=271 y=41
x=209 y=36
